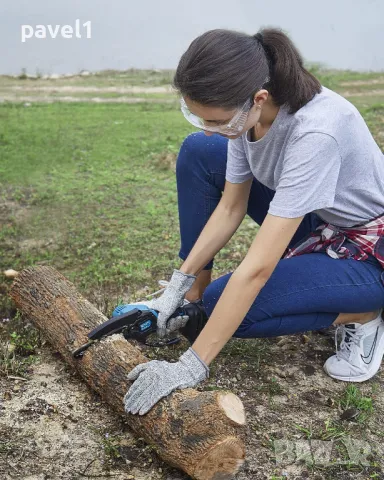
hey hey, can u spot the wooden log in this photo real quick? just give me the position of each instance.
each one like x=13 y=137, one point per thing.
x=201 y=433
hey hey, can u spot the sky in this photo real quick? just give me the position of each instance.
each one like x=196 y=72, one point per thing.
x=347 y=34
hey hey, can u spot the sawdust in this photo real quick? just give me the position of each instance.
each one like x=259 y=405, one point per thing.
x=53 y=426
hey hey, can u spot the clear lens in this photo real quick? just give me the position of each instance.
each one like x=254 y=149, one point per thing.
x=235 y=125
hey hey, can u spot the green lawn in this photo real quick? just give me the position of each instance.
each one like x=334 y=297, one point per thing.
x=90 y=181
x=91 y=188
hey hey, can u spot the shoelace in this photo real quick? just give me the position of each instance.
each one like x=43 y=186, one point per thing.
x=350 y=338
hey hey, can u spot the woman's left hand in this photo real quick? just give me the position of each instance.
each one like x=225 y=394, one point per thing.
x=157 y=379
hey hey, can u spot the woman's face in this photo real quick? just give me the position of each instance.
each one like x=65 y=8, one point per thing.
x=216 y=116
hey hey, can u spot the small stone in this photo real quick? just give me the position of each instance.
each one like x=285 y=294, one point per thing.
x=7 y=395
x=309 y=370
x=234 y=379
x=350 y=414
x=277 y=371
x=282 y=341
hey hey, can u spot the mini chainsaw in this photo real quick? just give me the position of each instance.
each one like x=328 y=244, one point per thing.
x=138 y=322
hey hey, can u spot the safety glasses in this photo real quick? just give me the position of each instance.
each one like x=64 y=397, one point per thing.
x=234 y=127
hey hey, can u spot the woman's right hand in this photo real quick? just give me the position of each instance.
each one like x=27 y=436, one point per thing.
x=170 y=300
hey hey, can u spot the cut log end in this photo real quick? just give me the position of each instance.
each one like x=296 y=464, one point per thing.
x=222 y=461
x=233 y=407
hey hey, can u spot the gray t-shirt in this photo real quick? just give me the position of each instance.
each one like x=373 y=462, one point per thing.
x=321 y=159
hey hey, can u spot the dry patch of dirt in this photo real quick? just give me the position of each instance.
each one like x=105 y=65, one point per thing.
x=92 y=89
x=370 y=93
x=69 y=99
x=52 y=426
x=47 y=94
x=359 y=83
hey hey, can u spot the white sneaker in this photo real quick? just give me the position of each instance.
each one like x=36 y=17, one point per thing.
x=361 y=351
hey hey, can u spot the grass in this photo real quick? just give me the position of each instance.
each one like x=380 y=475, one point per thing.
x=88 y=180
x=352 y=397
x=90 y=189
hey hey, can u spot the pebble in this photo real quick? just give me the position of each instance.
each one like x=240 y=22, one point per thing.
x=309 y=370
x=350 y=414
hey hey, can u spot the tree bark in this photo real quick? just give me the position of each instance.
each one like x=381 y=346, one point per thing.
x=201 y=433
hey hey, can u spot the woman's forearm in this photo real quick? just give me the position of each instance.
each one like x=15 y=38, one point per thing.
x=233 y=305
x=217 y=232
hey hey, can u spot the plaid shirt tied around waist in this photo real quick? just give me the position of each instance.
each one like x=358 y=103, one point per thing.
x=338 y=242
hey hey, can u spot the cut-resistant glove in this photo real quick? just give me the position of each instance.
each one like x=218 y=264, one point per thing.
x=158 y=378
x=171 y=299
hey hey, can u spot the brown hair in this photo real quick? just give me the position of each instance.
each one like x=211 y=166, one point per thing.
x=224 y=68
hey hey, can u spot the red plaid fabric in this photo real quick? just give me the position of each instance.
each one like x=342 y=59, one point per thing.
x=352 y=242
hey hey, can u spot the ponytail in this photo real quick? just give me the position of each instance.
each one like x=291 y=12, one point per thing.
x=224 y=68
x=290 y=83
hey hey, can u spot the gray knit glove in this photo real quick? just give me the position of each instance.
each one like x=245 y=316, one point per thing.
x=174 y=323
x=157 y=379
x=170 y=300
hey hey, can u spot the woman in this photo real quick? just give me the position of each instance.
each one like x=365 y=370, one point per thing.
x=300 y=160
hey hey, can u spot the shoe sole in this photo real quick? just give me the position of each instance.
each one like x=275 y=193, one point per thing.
x=376 y=363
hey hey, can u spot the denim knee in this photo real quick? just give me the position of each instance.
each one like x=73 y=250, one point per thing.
x=193 y=147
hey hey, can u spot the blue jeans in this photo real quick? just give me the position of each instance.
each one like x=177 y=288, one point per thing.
x=304 y=293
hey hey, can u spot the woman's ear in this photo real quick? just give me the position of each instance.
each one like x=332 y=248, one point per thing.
x=261 y=97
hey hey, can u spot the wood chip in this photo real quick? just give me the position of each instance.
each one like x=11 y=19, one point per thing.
x=10 y=377
x=11 y=273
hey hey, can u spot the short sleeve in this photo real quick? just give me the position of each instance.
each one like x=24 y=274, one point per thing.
x=238 y=169
x=309 y=176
